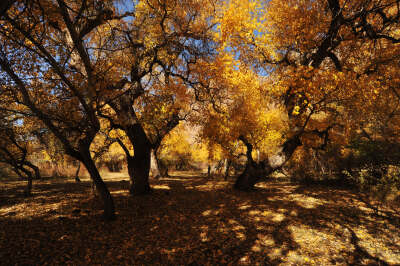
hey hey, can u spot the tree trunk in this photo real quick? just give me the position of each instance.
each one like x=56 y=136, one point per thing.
x=29 y=177
x=162 y=167
x=254 y=172
x=139 y=169
x=35 y=169
x=56 y=170
x=101 y=187
x=251 y=175
x=77 y=179
x=28 y=191
x=227 y=167
x=37 y=172
x=20 y=171
x=139 y=164
x=154 y=165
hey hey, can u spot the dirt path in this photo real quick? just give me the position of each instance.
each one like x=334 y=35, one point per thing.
x=193 y=220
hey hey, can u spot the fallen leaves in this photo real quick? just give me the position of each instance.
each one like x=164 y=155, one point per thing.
x=274 y=225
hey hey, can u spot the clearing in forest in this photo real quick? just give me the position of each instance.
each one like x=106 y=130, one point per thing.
x=190 y=219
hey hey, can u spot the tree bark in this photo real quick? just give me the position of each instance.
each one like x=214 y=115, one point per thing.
x=228 y=166
x=139 y=164
x=163 y=167
x=56 y=170
x=24 y=174
x=251 y=175
x=35 y=169
x=28 y=191
x=108 y=203
x=139 y=169
x=254 y=172
x=154 y=165
x=77 y=179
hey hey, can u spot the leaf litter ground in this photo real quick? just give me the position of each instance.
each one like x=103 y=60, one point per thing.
x=190 y=219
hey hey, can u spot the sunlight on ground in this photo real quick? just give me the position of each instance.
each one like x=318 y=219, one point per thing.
x=165 y=187
x=210 y=212
x=378 y=245
x=204 y=233
x=316 y=244
x=114 y=176
x=175 y=179
x=283 y=187
x=305 y=201
x=266 y=215
x=13 y=210
x=262 y=243
x=120 y=192
x=199 y=220
x=244 y=207
x=30 y=209
x=233 y=228
x=212 y=185
x=237 y=229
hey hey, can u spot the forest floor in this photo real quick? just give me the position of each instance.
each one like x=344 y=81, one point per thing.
x=191 y=219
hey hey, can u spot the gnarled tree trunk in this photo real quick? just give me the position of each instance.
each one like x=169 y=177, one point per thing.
x=108 y=203
x=251 y=175
x=35 y=169
x=139 y=164
x=255 y=172
x=139 y=169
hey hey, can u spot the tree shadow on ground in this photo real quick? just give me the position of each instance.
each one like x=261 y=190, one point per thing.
x=12 y=193
x=195 y=220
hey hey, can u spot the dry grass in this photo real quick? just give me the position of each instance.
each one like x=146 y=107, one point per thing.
x=189 y=219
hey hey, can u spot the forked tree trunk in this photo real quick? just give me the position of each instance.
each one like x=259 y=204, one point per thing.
x=251 y=175
x=35 y=169
x=108 y=203
x=139 y=164
x=255 y=172
x=139 y=169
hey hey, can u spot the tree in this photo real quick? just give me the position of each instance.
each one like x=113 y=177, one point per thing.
x=156 y=51
x=17 y=140
x=105 y=149
x=175 y=150
x=88 y=60
x=53 y=74
x=323 y=60
x=240 y=112
x=15 y=149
